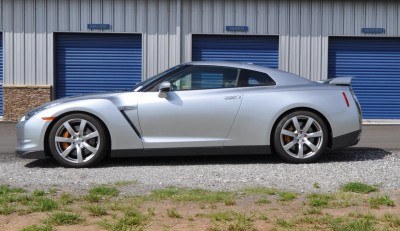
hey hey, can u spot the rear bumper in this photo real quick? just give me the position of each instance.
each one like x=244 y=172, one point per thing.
x=346 y=140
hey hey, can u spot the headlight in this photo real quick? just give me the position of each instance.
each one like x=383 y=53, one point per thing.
x=32 y=113
x=39 y=109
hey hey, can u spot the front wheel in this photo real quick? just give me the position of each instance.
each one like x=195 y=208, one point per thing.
x=300 y=137
x=78 y=140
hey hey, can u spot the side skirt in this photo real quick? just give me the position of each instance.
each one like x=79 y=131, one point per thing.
x=202 y=151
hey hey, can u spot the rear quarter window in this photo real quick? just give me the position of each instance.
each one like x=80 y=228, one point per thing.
x=249 y=78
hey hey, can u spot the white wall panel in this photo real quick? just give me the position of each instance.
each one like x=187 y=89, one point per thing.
x=8 y=26
x=41 y=42
x=348 y=17
x=130 y=14
x=74 y=15
x=304 y=27
x=51 y=13
x=108 y=14
x=118 y=17
x=86 y=14
x=251 y=15
x=30 y=43
x=273 y=16
x=392 y=19
x=19 y=42
x=63 y=14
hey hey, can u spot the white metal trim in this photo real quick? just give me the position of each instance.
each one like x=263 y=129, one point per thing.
x=381 y=122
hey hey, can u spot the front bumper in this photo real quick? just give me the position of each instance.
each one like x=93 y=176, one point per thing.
x=30 y=133
x=346 y=140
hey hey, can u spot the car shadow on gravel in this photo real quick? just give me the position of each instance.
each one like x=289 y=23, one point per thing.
x=344 y=155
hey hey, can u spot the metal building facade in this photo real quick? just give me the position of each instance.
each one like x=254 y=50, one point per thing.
x=167 y=27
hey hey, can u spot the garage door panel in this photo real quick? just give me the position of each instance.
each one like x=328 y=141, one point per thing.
x=375 y=65
x=261 y=50
x=88 y=63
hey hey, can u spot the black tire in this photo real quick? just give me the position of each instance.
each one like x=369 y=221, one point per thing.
x=297 y=139
x=83 y=142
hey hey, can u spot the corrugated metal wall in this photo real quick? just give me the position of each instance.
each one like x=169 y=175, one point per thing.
x=168 y=25
x=29 y=27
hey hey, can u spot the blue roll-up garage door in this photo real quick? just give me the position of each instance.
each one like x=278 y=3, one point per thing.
x=261 y=50
x=375 y=64
x=1 y=75
x=87 y=63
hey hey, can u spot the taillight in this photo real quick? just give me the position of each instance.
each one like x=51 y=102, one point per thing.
x=346 y=99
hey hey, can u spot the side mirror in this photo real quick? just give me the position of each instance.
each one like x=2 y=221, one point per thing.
x=164 y=87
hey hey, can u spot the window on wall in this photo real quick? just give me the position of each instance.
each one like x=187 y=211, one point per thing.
x=250 y=78
x=204 y=77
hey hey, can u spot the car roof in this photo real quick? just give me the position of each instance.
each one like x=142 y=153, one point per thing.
x=281 y=78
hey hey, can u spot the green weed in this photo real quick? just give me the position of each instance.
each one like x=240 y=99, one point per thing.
x=62 y=218
x=358 y=187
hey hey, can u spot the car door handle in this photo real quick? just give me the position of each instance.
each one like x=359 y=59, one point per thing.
x=233 y=97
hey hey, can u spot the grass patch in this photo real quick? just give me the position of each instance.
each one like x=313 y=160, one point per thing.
x=38 y=193
x=319 y=200
x=316 y=185
x=224 y=216
x=172 y=213
x=229 y=202
x=151 y=211
x=358 y=187
x=393 y=220
x=97 y=193
x=347 y=199
x=7 y=209
x=260 y=191
x=62 y=218
x=92 y=198
x=132 y=220
x=47 y=227
x=96 y=210
x=375 y=202
x=66 y=199
x=43 y=205
x=287 y=196
x=233 y=220
x=366 y=223
x=241 y=223
x=312 y=211
x=104 y=191
x=5 y=189
x=194 y=195
x=284 y=223
x=263 y=201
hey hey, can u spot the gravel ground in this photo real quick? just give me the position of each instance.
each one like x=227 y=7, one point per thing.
x=369 y=165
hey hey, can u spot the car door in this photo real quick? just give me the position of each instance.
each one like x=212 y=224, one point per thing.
x=198 y=111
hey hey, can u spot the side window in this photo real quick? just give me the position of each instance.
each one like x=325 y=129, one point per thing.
x=204 y=77
x=250 y=78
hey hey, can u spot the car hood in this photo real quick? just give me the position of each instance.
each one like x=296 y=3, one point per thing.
x=105 y=95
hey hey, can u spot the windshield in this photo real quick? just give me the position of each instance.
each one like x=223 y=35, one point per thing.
x=152 y=80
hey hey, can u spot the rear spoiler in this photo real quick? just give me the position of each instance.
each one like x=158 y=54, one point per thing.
x=339 y=81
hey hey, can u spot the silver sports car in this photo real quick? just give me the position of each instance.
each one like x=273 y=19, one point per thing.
x=198 y=108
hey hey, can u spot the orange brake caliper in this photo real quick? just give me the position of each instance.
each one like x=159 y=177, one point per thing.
x=287 y=139
x=65 y=145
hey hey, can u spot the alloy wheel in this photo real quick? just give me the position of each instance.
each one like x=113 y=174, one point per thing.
x=301 y=136
x=77 y=141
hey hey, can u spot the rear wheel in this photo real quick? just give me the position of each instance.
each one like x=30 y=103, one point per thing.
x=78 y=140
x=300 y=137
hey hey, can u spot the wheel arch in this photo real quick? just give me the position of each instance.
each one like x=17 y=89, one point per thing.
x=328 y=125
x=51 y=125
